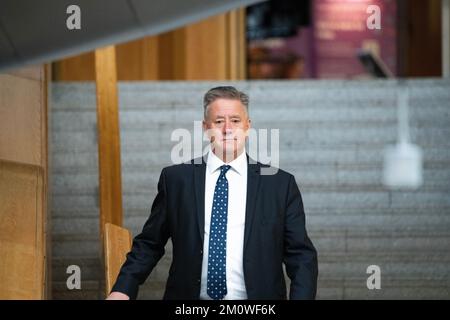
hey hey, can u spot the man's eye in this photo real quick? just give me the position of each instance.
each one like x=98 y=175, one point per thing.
x=219 y=121
x=236 y=121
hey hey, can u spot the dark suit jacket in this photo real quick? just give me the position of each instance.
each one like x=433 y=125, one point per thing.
x=274 y=233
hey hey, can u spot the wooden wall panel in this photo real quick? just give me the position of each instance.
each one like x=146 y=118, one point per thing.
x=116 y=245
x=28 y=72
x=22 y=240
x=46 y=176
x=212 y=49
x=138 y=60
x=206 y=52
x=110 y=184
x=23 y=184
x=171 y=55
x=236 y=44
x=77 y=68
x=20 y=119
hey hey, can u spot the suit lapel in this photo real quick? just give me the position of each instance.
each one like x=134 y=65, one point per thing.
x=253 y=177
x=199 y=187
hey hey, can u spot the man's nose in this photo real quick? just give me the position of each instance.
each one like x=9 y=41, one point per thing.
x=227 y=127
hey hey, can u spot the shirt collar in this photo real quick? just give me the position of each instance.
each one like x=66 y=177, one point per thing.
x=239 y=164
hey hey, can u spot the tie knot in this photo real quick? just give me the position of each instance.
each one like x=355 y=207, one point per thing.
x=224 y=169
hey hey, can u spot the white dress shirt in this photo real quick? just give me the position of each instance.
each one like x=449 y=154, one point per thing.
x=237 y=198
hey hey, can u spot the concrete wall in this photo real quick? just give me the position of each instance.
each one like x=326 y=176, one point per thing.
x=332 y=134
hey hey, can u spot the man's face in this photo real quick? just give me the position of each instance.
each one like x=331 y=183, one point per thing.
x=227 y=125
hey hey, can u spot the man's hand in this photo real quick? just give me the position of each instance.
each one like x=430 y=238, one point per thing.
x=117 y=296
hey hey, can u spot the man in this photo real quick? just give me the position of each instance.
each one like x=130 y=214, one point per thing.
x=232 y=228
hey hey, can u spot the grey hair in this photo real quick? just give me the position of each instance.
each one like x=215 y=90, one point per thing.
x=224 y=92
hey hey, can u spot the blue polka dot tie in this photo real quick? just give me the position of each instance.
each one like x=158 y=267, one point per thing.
x=217 y=278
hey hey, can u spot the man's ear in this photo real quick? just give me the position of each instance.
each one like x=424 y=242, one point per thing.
x=204 y=125
x=249 y=123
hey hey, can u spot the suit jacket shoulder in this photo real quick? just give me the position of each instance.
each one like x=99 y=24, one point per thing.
x=267 y=172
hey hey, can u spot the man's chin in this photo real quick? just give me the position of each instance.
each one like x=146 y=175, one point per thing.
x=224 y=151
x=229 y=153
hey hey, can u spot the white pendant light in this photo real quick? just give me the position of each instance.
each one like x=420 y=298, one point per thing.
x=402 y=166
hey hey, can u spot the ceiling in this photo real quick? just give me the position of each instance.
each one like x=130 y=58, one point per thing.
x=36 y=31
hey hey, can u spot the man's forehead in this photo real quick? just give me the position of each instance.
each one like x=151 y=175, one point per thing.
x=227 y=106
x=226 y=103
x=234 y=115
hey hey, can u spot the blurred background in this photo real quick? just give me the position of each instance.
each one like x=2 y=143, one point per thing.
x=75 y=116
